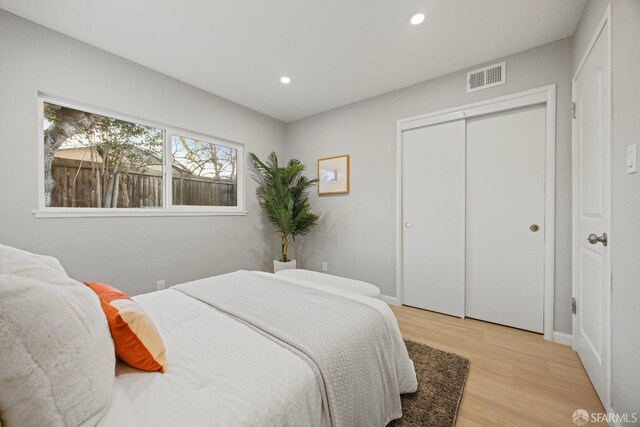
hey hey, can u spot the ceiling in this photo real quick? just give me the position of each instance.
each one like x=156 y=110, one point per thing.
x=335 y=51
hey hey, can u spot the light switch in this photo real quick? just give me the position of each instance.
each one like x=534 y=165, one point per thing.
x=631 y=159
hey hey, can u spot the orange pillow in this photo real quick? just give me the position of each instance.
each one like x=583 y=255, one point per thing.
x=136 y=339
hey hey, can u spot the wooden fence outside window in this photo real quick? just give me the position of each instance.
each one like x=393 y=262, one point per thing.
x=77 y=185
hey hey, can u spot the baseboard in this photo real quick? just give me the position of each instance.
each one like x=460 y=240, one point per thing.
x=390 y=300
x=562 y=338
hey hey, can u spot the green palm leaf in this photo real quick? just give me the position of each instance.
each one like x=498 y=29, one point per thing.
x=283 y=193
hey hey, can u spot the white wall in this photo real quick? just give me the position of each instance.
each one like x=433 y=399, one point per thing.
x=590 y=19
x=131 y=253
x=626 y=208
x=357 y=233
x=625 y=222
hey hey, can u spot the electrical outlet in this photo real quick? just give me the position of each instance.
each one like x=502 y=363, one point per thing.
x=325 y=266
x=160 y=285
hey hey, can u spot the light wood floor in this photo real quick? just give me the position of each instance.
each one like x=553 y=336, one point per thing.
x=516 y=377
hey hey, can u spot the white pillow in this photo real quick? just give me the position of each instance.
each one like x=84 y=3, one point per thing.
x=23 y=263
x=331 y=281
x=57 y=359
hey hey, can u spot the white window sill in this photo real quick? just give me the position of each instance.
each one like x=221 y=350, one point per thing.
x=123 y=212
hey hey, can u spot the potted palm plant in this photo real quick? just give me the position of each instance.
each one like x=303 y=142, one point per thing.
x=283 y=193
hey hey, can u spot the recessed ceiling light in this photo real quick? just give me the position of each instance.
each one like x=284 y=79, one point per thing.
x=417 y=19
x=285 y=80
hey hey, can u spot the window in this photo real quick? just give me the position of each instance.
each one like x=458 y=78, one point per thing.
x=95 y=164
x=204 y=173
x=95 y=161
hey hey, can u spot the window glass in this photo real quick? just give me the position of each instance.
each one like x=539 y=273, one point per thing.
x=204 y=173
x=95 y=161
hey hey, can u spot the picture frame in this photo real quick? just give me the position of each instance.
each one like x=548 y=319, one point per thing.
x=333 y=175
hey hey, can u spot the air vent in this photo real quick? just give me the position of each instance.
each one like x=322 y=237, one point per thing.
x=484 y=78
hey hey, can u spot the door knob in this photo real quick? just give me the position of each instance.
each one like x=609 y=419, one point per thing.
x=407 y=224
x=534 y=227
x=594 y=239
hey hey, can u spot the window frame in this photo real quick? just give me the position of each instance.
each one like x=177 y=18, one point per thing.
x=167 y=209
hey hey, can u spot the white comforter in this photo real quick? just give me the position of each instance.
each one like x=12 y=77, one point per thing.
x=222 y=373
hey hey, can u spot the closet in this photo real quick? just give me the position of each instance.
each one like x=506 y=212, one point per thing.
x=473 y=215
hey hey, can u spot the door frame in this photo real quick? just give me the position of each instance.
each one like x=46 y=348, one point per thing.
x=604 y=25
x=542 y=95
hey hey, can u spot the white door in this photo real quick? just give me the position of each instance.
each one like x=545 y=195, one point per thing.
x=592 y=207
x=433 y=217
x=505 y=217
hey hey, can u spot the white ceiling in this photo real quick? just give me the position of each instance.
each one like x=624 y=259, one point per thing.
x=335 y=51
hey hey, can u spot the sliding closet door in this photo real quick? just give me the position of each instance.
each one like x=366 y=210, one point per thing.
x=505 y=217
x=433 y=217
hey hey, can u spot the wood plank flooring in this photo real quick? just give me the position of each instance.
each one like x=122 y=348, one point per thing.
x=516 y=377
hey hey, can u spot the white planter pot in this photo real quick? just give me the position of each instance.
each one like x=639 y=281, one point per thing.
x=279 y=265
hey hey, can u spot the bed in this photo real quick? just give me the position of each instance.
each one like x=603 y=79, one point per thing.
x=221 y=372
x=243 y=349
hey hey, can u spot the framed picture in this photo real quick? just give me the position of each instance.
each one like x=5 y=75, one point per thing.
x=333 y=175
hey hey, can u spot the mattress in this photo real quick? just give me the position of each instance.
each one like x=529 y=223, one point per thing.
x=222 y=373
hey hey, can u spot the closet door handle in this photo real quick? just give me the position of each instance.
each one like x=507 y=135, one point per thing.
x=407 y=224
